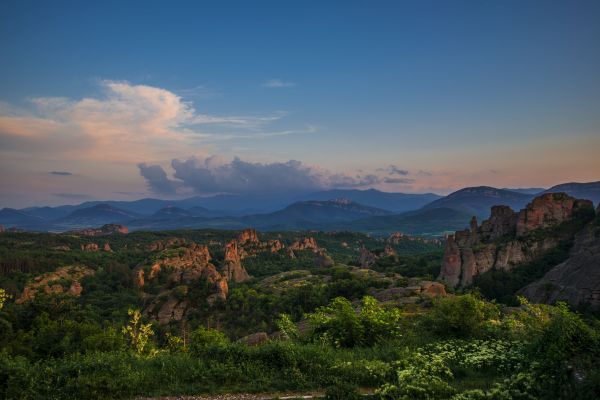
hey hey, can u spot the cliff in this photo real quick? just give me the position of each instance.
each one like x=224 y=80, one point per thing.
x=577 y=280
x=507 y=238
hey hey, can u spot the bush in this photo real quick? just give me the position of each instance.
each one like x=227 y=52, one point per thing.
x=462 y=316
x=339 y=325
x=342 y=391
x=203 y=338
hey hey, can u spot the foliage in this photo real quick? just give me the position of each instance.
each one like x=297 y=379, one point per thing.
x=137 y=333
x=203 y=338
x=339 y=325
x=462 y=316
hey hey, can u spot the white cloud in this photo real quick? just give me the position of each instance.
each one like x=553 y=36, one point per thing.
x=278 y=83
x=127 y=123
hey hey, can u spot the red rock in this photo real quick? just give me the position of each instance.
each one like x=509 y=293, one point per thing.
x=248 y=236
x=548 y=210
x=232 y=264
x=90 y=247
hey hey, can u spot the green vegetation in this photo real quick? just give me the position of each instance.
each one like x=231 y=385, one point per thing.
x=327 y=331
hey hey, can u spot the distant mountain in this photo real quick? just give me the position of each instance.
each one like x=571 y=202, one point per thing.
x=95 y=216
x=12 y=217
x=433 y=221
x=172 y=212
x=589 y=191
x=478 y=200
x=396 y=202
x=297 y=216
x=525 y=190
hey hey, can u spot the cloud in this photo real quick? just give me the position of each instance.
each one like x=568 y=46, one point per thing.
x=60 y=173
x=214 y=175
x=278 y=83
x=157 y=180
x=126 y=123
x=398 y=180
x=397 y=171
x=72 y=196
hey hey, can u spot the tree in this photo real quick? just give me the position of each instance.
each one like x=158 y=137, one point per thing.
x=137 y=333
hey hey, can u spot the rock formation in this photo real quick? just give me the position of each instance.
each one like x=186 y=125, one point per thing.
x=108 y=229
x=160 y=245
x=323 y=260
x=366 y=258
x=476 y=250
x=415 y=290
x=232 y=268
x=64 y=280
x=548 y=210
x=107 y=247
x=248 y=236
x=577 y=280
x=306 y=243
x=90 y=247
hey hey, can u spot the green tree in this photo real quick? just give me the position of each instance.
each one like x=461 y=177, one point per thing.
x=137 y=333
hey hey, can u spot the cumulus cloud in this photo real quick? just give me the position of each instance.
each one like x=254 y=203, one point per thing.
x=214 y=175
x=278 y=83
x=157 y=180
x=127 y=123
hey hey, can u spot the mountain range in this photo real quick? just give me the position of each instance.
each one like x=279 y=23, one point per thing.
x=370 y=211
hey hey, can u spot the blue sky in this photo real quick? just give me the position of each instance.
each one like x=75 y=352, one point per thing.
x=503 y=93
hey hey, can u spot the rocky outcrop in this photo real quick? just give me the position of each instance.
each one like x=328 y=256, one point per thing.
x=160 y=245
x=107 y=247
x=504 y=241
x=306 y=243
x=418 y=289
x=366 y=258
x=548 y=210
x=577 y=280
x=248 y=236
x=108 y=229
x=90 y=247
x=323 y=260
x=64 y=280
x=232 y=268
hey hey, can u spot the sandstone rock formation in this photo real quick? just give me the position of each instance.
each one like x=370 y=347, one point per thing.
x=366 y=258
x=577 y=280
x=548 y=210
x=248 y=236
x=232 y=268
x=108 y=229
x=476 y=250
x=90 y=247
x=63 y=280
x=418 y=289
x=306 y=243
x=107 y=247
x=160 y=245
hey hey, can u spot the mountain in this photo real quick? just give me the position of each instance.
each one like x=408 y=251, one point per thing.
x=525 y=190
x=396 y=202
x=12 y=217
x=94 y=216
x=305 y=214
x=172 y=212
x=297 y=216
x=589 y=190
x=422 y=222
x=478 y=200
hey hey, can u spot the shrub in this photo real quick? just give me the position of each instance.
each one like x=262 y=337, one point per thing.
x=462 y=316
x=342 y=391
x=203 y=338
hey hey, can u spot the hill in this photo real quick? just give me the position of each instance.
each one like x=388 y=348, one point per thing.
x=589 y=190
x=478 y=200
x=94 y=216
x=396 y=202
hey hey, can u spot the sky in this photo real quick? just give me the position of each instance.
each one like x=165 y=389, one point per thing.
x=131 y=99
